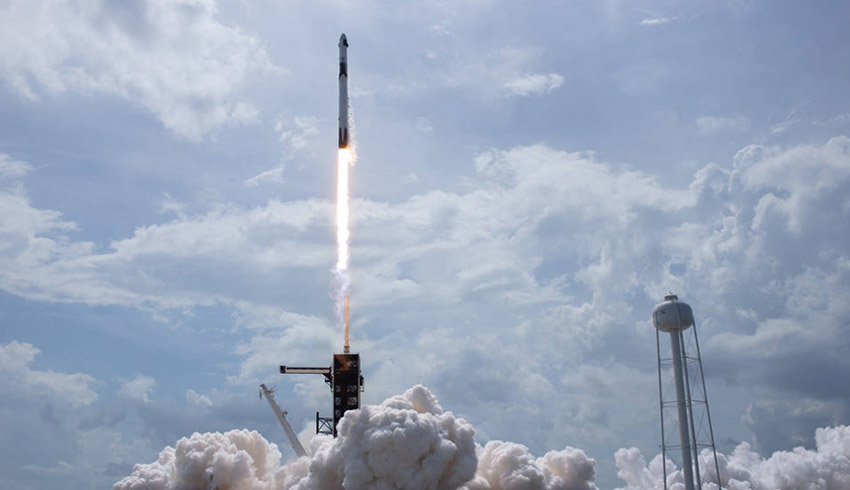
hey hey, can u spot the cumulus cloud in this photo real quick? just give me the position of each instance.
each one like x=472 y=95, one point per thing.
x=138 y=388
x=40 y=261
x=535 y=84
x=17 y=376
x=561 y=251
x=175 y=58
x=57 y=407
x=193 y=398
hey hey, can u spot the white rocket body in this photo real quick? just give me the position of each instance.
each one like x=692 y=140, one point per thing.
x=343 y=92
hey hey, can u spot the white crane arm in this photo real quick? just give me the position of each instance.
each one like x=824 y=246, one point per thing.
x=281 y=417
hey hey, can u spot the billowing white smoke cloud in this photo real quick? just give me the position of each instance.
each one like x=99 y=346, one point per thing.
x=407 y=441
x=509 y=466
x=825 y=468
x=236 y=459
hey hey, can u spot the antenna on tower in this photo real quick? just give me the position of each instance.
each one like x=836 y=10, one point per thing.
x=685 y=365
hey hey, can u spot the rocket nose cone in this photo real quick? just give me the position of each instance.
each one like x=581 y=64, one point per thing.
x=343 y=41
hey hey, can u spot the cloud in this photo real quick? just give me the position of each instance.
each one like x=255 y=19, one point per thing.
x=423 y=125
x=138 y=388
x=550 y=256
x=40 y=261
x=441 y=28
x=45 y=431
x=494 y=72
x=786 y=124
x=174 y=58
x=12 y=170
x=302 y=341
x=193 y=398
x=798 y=417
x=535 y=84
x=299 y=133
x=714 y=124
x=296 y=136
x=272 y=175
x=18 y=377
x=655 y=21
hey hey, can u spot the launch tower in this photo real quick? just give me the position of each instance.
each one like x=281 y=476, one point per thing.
x=345 y=380
x=346 y=383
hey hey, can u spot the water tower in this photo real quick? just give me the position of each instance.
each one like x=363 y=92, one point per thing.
x=682 y=362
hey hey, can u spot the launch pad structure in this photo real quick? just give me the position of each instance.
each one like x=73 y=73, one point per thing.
x=346 y=383
x=344 y=378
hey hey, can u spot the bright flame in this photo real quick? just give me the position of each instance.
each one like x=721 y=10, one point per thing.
x=344 y=162
x=342 y=233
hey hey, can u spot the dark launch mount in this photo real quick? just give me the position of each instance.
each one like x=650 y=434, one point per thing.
x=346 y=384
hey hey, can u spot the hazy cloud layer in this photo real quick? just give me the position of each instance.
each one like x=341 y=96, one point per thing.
x=173 y=57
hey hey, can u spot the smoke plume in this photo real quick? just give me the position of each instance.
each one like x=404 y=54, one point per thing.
x=509 y=466
x=410 y=442
x=236 y=459
x=406 y=442
x=827 y=467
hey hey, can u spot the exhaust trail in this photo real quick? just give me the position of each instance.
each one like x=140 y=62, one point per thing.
x=341 y=271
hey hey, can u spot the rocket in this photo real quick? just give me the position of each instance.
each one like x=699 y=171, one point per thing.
x=343 y=92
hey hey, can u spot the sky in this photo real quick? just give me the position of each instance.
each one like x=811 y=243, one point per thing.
x=531 y=179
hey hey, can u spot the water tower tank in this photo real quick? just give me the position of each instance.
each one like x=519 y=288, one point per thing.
x=672 y=315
